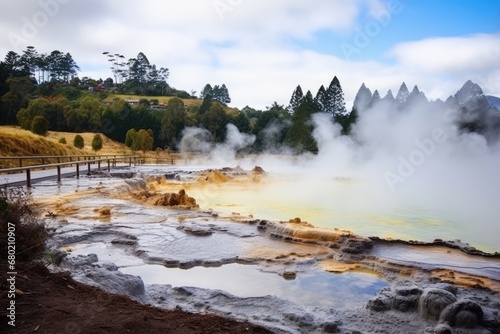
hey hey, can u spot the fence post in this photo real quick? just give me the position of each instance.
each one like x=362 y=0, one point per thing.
x=109 y=165
x=98 y=165
x=77 y=170
x=28 y=178
x=88 y=168
x=59 y=174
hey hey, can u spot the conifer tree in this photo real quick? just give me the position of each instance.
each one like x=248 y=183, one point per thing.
x=403 y=94
x=363 y=99
x=335 y=103
x=299 y=136
x=295 y=100
x=321 y=98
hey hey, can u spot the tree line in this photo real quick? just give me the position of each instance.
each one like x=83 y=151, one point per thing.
x=58 y=100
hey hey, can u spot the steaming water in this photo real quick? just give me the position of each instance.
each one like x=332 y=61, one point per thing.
x=354 y=205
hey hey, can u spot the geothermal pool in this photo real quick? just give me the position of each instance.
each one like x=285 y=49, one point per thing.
x=359 y=205
x=216 y=258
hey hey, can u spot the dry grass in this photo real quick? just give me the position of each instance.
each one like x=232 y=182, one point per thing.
x=165 y=99
x=15 y=141
x=161 y=99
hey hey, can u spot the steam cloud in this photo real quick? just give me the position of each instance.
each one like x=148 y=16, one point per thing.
x=416 y=157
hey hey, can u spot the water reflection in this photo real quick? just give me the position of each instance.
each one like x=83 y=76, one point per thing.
x=312 y=288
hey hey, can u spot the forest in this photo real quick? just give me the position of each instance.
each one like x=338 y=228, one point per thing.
x=41 y=92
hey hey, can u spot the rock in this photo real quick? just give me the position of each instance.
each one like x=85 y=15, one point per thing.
x=407 y=288
x=407 y=295
x=445 y=286
x=464 y=313
x=258 y=170
x=331 y=327
x=442 y=329
x=179 y=199
x=79 y=261
x=302 y=320
x=433 y=302
x=114 y=282
x=289 y=275
x=136 y=184
x=379 y=303
x=357 y=245
x=171 y=176
x=196 y=230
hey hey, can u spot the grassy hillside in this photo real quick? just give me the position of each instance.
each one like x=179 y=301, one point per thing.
x=165 y=99
x=161 y=99
x=17 y=142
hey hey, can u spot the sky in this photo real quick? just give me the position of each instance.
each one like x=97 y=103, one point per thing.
x=261 y=50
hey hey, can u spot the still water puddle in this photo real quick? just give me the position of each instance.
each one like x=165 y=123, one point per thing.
x=312 y=288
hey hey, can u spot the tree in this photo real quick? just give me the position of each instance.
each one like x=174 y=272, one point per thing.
x=206 y=104
x=215 y=121
x=131 y=138
x=363 y=99
x=40 y=126
x=221 y=94
x=144 y=141
x=207 y=90
x=241 y=121
x=334 y=101
x=320 y=98
x=78 y=142
x=296 y=99
x=16 y=99
x=299 y=135
x=173 y=122
x=97 y=142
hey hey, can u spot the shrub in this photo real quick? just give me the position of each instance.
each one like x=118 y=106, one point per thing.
x=97 y=142
x=78 y=142
x=18 y=217
x=40 y=125
x=62 y=141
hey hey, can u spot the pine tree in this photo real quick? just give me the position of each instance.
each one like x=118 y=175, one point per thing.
x=224 y=95
x=389 y=97
x=320 y=98
x=375 y=97
x=335 y=104
x=295 y=100
x=403 y=94
x=207 y=90
x=416 y=96
x=363 y=99
x=299 y=136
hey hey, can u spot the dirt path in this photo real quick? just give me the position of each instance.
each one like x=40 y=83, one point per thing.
x=55 y=304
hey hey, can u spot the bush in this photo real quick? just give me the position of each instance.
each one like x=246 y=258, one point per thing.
x=62 y=141
x=18 y=217
x=144 y=102
x=97 y=142
x=40 y=125
x=78 y=142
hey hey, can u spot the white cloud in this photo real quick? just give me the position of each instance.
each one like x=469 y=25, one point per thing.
x=251 y=46
x=450 y=54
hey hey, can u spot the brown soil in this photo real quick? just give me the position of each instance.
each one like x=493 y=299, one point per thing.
x=54 y=303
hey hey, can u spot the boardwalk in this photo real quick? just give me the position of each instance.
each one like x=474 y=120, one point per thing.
x=26 y=176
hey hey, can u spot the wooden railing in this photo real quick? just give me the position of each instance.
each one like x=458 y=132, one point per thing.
x=111 y=161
